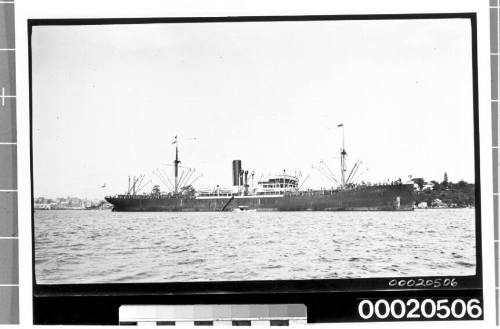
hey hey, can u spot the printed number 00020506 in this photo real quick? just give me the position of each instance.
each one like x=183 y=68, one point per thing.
x=430 y=283
x=415 y=309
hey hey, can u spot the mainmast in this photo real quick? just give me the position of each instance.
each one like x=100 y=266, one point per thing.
x=176 y=166
x=342 y=156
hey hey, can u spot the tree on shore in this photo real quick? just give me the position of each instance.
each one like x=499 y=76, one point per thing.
x=453 y=195
x=444 y=183
x=435 y=184
x=420 y=182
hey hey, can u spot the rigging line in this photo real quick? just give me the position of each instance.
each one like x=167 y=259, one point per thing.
x=183 y=180
x=139 y=188
x=196 y=179
x=315 y=168
x=191 y=180
x=129 y=187
x=136 y=180
x=358 y=165
x=328 y=168
x=359 y=176
x=332 y=177
x=172 y=165
x=142 y=176
x=146 y=184
x=162 y=180
x=165 y=176
x=354 y=177
x=140 y=181
x=132 y=185
x=132 y=189
x=350 y=173
x=180 y=179
x=353 y=171
x=323 y=171
x=156 y=172
x=189 y=177
x=350 y=176
x=331 y=172
x=305 y=179
x=190 y=173
x=141 y=185
x=361 y=173
x=164 y=173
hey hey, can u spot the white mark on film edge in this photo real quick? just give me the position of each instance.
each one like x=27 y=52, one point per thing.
x=3 y=96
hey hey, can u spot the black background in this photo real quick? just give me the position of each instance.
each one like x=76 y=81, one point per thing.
x=326 y=300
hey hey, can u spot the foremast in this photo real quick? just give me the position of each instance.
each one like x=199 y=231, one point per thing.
x=343 y=153
x=349 y=180
x=176 y=166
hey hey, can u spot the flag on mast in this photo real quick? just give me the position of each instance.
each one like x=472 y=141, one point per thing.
x=175 y=140
x=340 y=125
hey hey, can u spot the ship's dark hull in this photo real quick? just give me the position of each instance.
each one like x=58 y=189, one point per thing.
x=373 y=198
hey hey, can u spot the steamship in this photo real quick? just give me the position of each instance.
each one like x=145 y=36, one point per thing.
x=276 y=193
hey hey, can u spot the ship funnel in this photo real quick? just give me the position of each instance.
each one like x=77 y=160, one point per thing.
x=236 y=172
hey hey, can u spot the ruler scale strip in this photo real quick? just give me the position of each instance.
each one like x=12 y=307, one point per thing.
x=9 y=265
x=494 y=56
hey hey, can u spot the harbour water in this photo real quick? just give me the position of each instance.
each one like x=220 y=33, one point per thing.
x=77 y=246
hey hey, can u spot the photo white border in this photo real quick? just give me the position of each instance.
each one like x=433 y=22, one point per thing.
x=31 y=9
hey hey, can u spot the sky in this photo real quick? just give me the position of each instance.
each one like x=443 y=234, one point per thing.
x=108 y=101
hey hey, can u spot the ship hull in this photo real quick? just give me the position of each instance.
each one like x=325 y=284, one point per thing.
x=369 y=198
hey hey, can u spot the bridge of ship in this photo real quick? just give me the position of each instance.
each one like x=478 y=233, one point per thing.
x=274 y=185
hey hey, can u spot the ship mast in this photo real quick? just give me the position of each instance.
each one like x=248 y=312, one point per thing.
x=176 y=166
x=342 y=156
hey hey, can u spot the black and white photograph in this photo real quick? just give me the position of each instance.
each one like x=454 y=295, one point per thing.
x=216 y=151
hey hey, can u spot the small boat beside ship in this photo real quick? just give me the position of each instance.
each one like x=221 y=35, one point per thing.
x=244 y=209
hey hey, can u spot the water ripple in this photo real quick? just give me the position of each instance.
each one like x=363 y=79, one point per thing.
x=102 y=246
